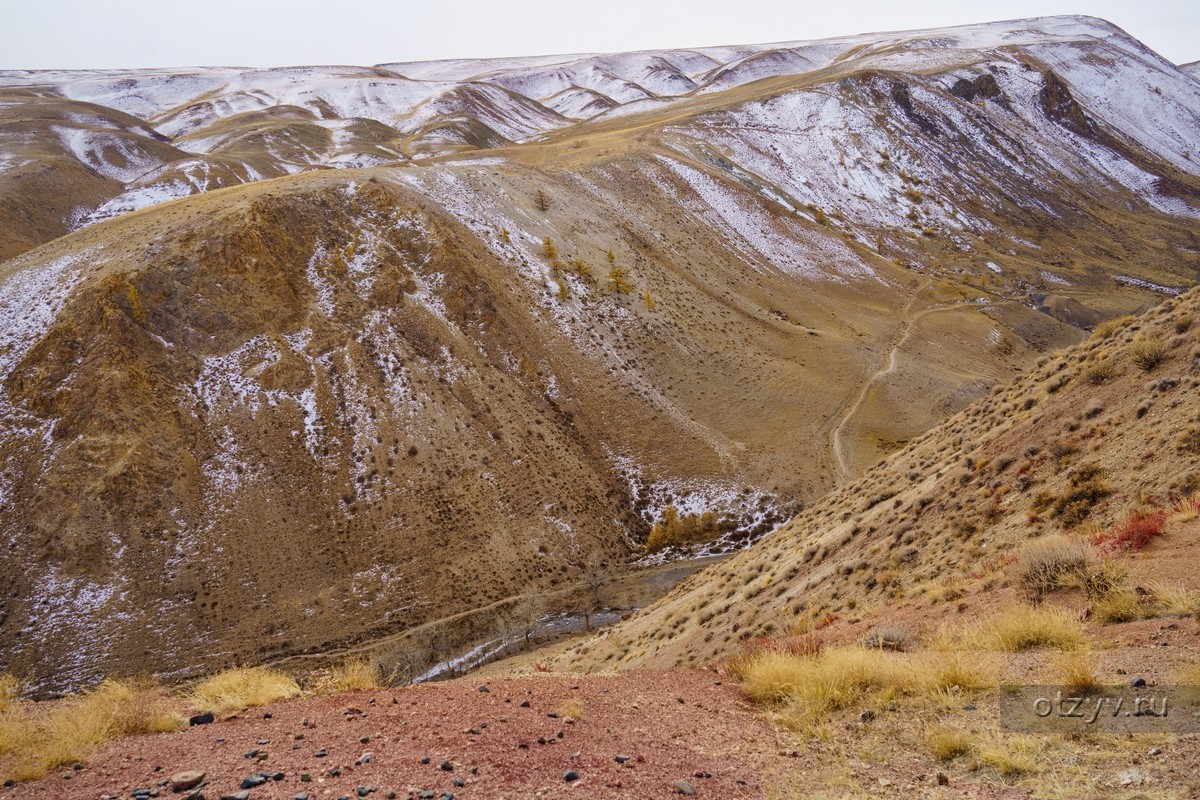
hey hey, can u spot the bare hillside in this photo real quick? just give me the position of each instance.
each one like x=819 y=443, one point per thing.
x=1095 y=443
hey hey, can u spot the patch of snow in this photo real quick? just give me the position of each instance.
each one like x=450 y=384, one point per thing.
x=79 y=610
x=1145 y=284
x=114 y=156
x=764 y=238
x=136 y=199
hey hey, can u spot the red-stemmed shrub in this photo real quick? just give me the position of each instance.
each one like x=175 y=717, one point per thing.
x=1134 y=532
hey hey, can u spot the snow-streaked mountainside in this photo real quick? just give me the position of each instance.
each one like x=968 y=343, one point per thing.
x=143 y=137
x=381 y=376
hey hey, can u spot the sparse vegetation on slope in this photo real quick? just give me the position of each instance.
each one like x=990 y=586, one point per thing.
x=1004 y=496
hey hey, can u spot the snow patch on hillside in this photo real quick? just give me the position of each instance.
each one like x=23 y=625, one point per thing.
x=30 y=300
x=136 y=199
x=781 y=243
x=114 y=156
x=79 y=609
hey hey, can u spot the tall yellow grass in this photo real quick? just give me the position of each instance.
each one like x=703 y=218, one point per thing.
x=1023 y=628
x=352 y=675
x=38 y=737
x=1077 y=671
x=242 y=687
x=809 y=687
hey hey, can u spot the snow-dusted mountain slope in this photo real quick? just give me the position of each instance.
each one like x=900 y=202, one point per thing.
x=333 y=352
x=248 y=124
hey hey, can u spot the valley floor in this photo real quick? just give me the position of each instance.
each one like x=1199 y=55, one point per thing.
x=519 y=738
x=676 y=732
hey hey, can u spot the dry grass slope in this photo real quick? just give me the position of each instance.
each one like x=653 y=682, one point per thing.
x=1006 y=495
x=37 y=738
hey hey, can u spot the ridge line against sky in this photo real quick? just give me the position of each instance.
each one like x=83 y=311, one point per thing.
x=76 y=34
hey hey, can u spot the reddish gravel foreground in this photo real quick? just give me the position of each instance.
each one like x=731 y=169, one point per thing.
x=678 y=725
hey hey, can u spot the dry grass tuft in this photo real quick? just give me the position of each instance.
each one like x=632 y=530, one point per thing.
x=808 y=688
x=1147 y=353
x=1011 y=756
x=968 y=672
x=1077 y=672
x=1107 y=328
x=947 y=744
x=806 y=643
x=571 y=709
x=353 y=674
x=1102 y=372
x=1174 y=601
x=1025 y=627
x=36 y=738
x=242 y=687
x=1120 y=605
x=1125 y=604
x=1052 y=563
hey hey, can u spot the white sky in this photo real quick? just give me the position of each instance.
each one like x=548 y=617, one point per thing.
x=43 y=34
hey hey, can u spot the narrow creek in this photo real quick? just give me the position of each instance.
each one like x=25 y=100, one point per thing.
x=631 y=591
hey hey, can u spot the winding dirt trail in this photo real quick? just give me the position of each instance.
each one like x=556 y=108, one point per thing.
x=887 y=367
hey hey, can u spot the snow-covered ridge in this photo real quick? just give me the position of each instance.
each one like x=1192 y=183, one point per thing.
x=227 y=125
x=386 y=92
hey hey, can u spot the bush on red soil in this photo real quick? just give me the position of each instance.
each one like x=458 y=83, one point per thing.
x=1134 y=532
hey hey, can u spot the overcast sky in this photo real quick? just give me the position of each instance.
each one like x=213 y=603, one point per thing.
x=42 y=34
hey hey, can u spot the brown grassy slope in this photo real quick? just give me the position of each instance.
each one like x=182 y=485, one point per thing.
x=43 y=184
x=469 y=422
x=1082 y=441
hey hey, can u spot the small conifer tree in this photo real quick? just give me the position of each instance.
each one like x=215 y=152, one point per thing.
x=581 y=268
x=618 y=280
